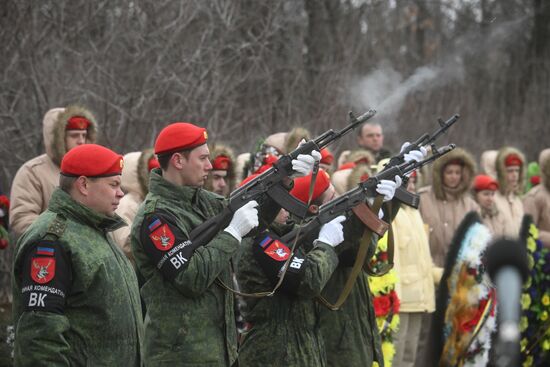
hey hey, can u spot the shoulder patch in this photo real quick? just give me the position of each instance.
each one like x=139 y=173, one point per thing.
x=45 y=278
x=271 y=254
x=161 y=235
x=166 y=244
x=42 y=269
x=274 y=248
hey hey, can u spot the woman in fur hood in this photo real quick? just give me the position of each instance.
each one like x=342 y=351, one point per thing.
x=444 y=204
x=510 y=166
x=342 y=176
x=34 y=182
x=221 y=179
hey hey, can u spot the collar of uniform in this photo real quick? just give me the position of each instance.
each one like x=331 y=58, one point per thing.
x=159 y=186
x=62 y=203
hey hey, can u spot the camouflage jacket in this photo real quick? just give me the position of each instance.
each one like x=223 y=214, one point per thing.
x=350 y=334
x=285 y=328
x=190 y=317
x=75 y=295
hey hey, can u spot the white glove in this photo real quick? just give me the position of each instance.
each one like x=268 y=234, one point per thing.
x=413 y=155
x=244 y=219
x=332 y=233
x=303 y=164
x=387 y=187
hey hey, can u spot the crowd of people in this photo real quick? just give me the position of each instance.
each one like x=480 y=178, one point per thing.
x=106 y=271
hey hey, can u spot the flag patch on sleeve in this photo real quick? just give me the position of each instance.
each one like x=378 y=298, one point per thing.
x=47 y=251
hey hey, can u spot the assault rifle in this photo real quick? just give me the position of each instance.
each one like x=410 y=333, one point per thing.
x=426 y=140
x=270 y=183
x=345 y=203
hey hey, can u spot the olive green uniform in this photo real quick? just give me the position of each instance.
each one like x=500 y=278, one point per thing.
x=285 y=327
x=351 y=334
x=190 y=317
x=75 y=295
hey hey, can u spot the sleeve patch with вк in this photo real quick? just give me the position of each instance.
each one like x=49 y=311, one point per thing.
x=271 y=253
x=46 y=278
x=165 y=244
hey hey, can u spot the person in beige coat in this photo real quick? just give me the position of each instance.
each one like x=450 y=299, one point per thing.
x=487 y=161
x=484 y=189
x=36 y=179
x=417 y=277
x=537 y=201
x=135 y=184
x=444 y=204
x=510 y=165
x=340 y=179
x=221 y=179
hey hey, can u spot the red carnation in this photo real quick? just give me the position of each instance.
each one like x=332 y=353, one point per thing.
x=382 y=305
x=4 y=201
x=383 y=256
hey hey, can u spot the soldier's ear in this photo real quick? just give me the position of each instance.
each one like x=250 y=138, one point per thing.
x=177 y=160
x=82 y=185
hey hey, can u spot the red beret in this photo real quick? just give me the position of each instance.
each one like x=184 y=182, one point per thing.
x=484 y=182
x=91 y=160
x=326 y=156
x=512 y=160
x=153 y=163
x=77 y=123
x=221 y=163
x=348 y=165
x=180 y=136
x=301 y=186
x=269 y=160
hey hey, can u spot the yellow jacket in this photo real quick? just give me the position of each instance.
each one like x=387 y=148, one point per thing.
x=413 y=262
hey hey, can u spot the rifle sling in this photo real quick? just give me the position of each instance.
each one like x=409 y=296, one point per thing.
x=357 y=266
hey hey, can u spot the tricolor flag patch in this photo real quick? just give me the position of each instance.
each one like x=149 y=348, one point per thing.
x=48 y=251
x=265 y=241
x=154 y=225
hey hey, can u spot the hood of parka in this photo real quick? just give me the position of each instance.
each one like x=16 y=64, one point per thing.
x=216 y=150
x=54 y=123
x=129 y=176
x=501 y=170
x=468 y=173
x=544 y=163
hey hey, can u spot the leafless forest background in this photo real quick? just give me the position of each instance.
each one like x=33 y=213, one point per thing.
x=247 y=68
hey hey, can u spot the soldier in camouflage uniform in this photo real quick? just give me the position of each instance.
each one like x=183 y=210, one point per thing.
x=285 y=329
x=350 y=334
x=75 y=295
x=190 y=317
